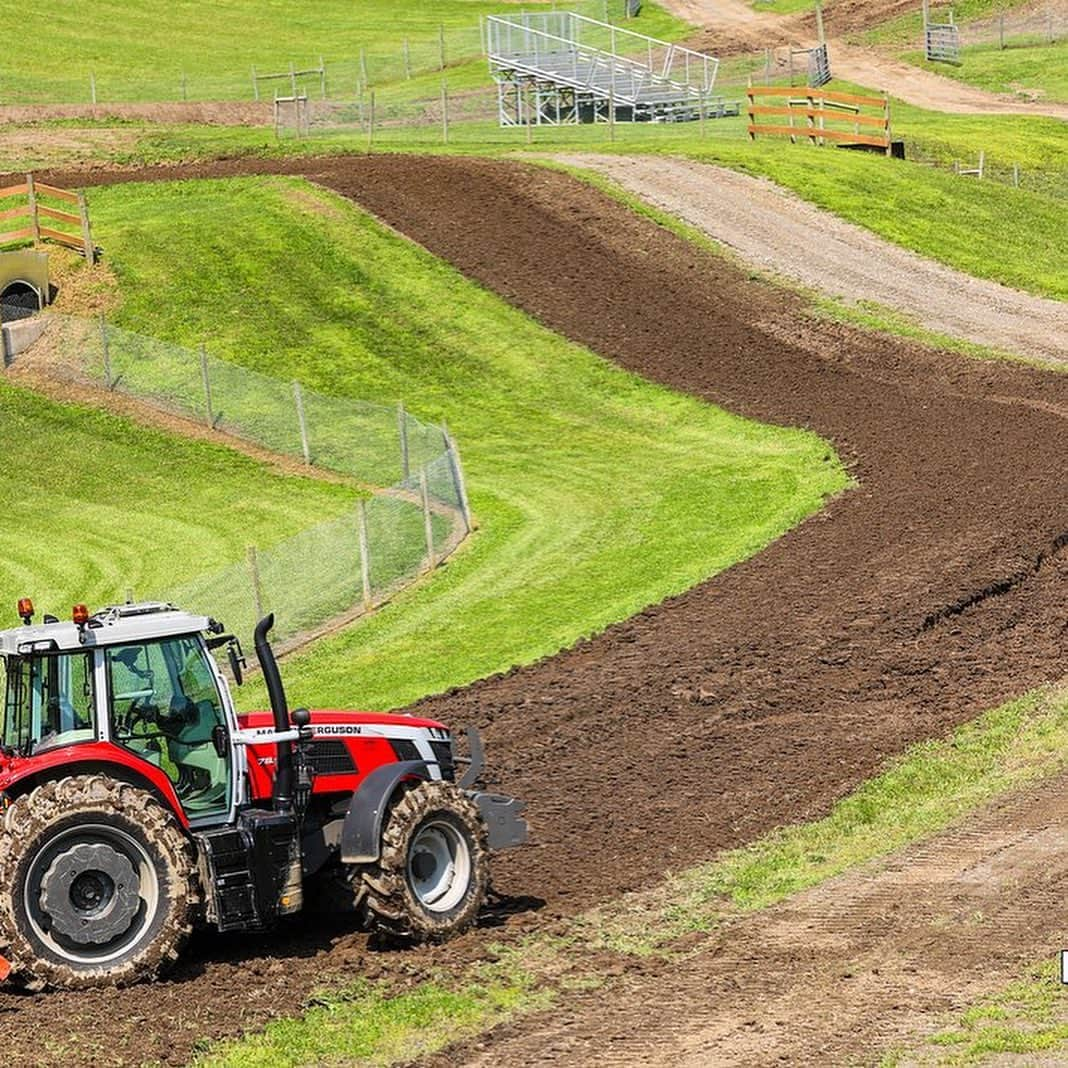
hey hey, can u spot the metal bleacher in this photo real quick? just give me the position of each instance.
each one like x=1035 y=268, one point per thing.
x=556 y=68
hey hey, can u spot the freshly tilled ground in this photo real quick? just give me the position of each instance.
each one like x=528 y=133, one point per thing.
x=931 y=591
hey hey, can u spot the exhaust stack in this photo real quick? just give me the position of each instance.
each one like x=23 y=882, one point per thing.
x=283 y=780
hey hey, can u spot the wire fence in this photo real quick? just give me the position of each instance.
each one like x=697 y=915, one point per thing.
x=286 y=72
x=1017 y=29
x=410 y=509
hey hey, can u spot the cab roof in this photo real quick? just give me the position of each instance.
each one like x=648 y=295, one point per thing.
x=123 y=624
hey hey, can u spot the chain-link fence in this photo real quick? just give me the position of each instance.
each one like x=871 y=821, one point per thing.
x=1017 y=29
x=410 y=508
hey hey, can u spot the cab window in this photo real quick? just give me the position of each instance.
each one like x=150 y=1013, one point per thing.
x=165 y=706
x=49 y=701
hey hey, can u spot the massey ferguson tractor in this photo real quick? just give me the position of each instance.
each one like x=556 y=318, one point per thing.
x=136 y=804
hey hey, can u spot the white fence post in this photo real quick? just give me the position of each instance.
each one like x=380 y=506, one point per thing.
x=365 y=554
x=206 y=379
x=106 y=344
x=298 y=397
x=402 y=430
x=428 y=523
x=254 y=576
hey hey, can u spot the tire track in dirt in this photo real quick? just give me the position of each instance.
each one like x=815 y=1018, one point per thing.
x=773 y=230
x=756 y=699
x=873 y=959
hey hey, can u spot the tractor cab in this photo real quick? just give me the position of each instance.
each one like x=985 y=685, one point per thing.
x=137 y=677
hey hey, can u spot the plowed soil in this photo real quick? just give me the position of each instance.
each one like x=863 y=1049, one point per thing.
x=931 y=591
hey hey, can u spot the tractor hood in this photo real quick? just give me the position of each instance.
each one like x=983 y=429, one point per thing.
x=332 y=723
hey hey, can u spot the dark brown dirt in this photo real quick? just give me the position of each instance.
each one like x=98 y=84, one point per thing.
x=933 y=590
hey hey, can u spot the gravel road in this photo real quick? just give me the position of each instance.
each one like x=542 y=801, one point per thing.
x=773 y=230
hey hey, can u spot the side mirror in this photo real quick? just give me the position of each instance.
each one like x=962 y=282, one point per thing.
x=237 y=663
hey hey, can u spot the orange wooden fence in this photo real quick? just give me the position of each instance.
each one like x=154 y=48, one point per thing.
x=821 y=115
x=30 y=211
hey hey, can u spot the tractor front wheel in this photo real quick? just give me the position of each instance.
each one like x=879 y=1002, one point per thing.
x=433 y=872
x=97 y=885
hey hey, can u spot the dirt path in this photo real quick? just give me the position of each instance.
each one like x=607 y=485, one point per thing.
x=836 y=975
x=926 y=90
x=934 y=590
x=775 y=231
x=733 y=26
x=210 y=113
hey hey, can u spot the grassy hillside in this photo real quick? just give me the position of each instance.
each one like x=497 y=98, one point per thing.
x=95 y=505
x=1036 y=69
x=597 y=492
x=140 y=50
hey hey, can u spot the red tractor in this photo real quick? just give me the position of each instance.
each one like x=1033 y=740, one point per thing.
x=137 y=804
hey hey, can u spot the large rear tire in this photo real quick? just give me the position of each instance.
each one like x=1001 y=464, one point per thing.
x=98 y=885
x=431 y=878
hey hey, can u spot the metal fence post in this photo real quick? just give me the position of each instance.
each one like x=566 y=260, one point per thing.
x=322 y=78
x=255 y=85
x=87 y=233
x=402 y=430
x=457 y=468
x=254 y=576
x=371 y=125
x=428 y=523
x=298 y=398
x=363 y=66
x=92 y=86
x=206 y=378
x=441 y=44
x=185 y=87
x=365 y=554
x=107 y=352
x=444 y=111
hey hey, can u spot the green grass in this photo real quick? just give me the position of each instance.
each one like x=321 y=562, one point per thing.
x=597 y=492
x=1028 y=1016
x=908 y=28
x=139 y=50
x=1034 y=70
x=928 y=789
x=782 y=7
x=987 y=229
x=364 y=1024
x=96 y=506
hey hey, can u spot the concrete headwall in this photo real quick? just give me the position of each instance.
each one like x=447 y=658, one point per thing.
x=17 y=337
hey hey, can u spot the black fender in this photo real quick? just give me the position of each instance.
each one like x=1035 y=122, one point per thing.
x=361 y=835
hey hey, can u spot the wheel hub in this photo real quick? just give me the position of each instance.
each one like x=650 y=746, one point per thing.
x=439 y=866
x=91 y=894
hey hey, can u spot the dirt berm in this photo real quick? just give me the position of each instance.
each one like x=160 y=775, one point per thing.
x=932 y=590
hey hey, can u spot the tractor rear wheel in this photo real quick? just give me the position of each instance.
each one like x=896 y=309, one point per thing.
x=432 y=875
x=97 y=885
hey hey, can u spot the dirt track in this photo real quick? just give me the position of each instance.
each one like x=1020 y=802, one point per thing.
x=887 y=953
x=734 y=26
x=775 y=231
x=929 y=593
